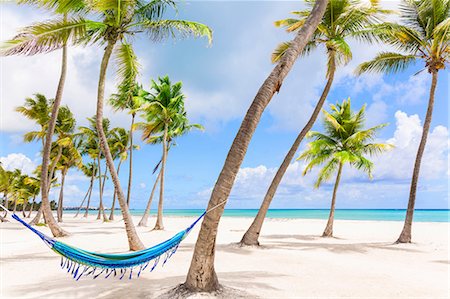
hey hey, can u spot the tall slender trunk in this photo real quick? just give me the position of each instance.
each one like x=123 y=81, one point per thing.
x=84 y=199
x=144 y=218
x=31 y=207
x=89 y=198
x=405 y=235
x=101 y=208
x=251 y=236
x=201 y=275
x=15 y=206
x=130 y=172
x=38 y=216
x=24 y=205
x=133 y=239
x=56 y=230
x=59 y=212
x=328 y=232
x=113 y=205
x=159 y=218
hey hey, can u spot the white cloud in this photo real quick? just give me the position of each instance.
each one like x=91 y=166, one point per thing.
x=22 y=77
x=18 y=161
x=392 y=169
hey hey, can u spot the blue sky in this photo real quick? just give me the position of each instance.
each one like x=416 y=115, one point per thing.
x=220 y=82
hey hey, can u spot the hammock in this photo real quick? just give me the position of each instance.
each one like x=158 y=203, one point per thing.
x=79 y=262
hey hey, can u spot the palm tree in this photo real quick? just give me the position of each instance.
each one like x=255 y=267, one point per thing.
x=89 y=170
x=34 y=187
x=201 y=275
x=42 y=38
x=8 y=184
x=119 y=21
x=120 y=145
x=343 y=19
x=344 y=141
x=93 y=149
x=38 y=110
x=425 y=36
x=129 y=98
x=165 y=111
x=70 y=157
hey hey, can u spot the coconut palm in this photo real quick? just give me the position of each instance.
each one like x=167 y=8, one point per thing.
x=343 y=19
x=118 y=22
x=93 y=149
x=120 y=144
x=344 y=142
x=164 y=114
x=424 y=35
x=178 y=125
x=89 y=170
x=34 y=187
x=201 y=275
x=129 y=98
x=42 y=38
x=8 y=181
x=70 y=157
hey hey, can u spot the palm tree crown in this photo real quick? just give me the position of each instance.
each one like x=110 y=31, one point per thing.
x=344 y=141
x=424 y=34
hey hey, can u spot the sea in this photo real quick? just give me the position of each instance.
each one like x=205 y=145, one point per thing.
x=420 y=215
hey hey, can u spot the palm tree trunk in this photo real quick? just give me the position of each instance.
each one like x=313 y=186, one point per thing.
x=405 y=236
x=113 y=206
x=251 y=236
x=328 y=232
x=56 y=230
x=201 y=275
x=59 y=212
x=38 y=216
x=159 y=218
x=84 y=199
x=130 y=172
x=31 y=207
x=24 y=205
x=133 y=239
x=15 y=206
x=101 y=208
x=144 y=219
x=89 y=198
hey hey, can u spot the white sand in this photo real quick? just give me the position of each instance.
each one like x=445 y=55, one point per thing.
x=294 y=262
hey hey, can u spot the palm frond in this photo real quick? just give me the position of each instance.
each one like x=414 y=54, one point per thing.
x=387 y=62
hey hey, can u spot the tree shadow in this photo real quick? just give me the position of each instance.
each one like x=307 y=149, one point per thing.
x=142 y=287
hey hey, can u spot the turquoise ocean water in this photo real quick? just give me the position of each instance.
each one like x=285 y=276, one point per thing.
x=420 y=215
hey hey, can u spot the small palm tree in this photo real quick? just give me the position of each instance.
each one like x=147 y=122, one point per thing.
x=129 y=98
x=162 y=113
x=424 y=35
x=343 y=20
x=89 y=170
x=344 y=142
x=120 y=146
x=180 y=127
x=34 y=187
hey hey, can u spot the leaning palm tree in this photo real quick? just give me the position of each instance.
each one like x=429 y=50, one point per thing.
x=129 y=98
x=118 y=22
x=201 y=275
x=424 y=35
x=343 y=19
x=162 y=111
x=344 y=142
x=42 y=38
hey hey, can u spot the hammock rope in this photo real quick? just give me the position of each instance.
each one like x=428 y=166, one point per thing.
x=79 y=262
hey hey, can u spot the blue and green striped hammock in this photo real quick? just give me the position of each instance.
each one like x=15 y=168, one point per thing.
x=79 y=262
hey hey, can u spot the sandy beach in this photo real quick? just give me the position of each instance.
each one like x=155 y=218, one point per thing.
x=294 y=261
